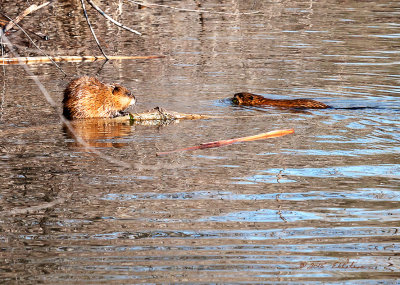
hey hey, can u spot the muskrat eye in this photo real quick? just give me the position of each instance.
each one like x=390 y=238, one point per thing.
x=116 y=88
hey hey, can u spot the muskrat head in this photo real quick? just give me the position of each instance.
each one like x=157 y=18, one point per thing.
x=240 y=98
x=123 y=96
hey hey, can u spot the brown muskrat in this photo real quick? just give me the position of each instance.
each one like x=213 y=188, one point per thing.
x=87 y=97
x=249 y=99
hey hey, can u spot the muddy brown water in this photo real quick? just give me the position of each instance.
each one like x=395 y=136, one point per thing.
x=320 y=206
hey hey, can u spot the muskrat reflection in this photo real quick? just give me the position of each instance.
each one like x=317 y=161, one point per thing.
x=98 y=132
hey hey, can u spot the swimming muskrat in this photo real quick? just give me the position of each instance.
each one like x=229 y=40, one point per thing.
x=87 y=97
x=249 y=99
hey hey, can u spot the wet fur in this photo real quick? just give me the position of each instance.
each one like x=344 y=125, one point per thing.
x=87 y=97
x=249 y=99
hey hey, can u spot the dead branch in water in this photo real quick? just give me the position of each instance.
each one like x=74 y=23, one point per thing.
x=272 y=134
x=111 y=19
x=88 y=58
x=94 y=6
x=36 y=46
x=91 y=29
x=19 y=18
x=29 y=60
x=164 y=115
x=25 y=13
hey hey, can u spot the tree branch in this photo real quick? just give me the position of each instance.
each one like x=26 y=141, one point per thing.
x=111 y=19
x=91 y=29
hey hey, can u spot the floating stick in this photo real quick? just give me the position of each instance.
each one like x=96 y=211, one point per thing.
x=272 y=134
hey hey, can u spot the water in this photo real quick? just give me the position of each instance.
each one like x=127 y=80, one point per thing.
x=319 y=206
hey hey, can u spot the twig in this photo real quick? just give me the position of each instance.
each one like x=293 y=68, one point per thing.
x=36 y=46
x=25 y=13
x=111 y=19
x=38 y=34
x=272 y=134
x=191 y=10
x=91 y=29
x=42 y=59
x=101 y=67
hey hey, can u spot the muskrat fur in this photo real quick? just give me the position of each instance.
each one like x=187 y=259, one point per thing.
x=87 y=97
x=249 y=99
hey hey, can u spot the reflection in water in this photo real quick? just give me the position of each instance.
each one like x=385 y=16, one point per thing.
x=98 y=132
x=321 y=206
x=107 y=132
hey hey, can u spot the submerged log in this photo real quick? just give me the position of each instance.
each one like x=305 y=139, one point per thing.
x=160 y=114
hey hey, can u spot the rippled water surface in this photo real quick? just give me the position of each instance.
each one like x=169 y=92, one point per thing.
x=319 y=206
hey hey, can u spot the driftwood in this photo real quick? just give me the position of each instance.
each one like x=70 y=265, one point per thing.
x=272 y=134
x=45 y=59
x=160 y=114
x=163 y=116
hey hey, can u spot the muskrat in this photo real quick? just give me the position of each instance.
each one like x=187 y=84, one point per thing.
x=249 y=99
x=87 y=97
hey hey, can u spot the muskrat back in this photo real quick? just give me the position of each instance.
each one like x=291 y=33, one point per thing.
x=87 y=97
x=249 y=99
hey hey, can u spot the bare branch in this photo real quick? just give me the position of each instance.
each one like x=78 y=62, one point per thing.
x=111 y=19
x=25 y=13
x=36 y=46
x=91 y=29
